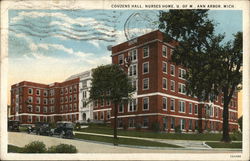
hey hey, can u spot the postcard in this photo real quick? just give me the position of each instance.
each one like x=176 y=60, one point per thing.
x=124 y=80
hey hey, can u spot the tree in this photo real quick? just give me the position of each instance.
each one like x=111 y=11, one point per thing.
x=213 y=67
x=111 y=82
x=240 y=123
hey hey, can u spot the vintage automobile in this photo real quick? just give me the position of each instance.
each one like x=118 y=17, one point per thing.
x=43 y=128
x=64 y=129
x=13 y=125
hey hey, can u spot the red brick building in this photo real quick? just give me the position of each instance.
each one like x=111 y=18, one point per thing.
x=32 y=102
x=160 y=97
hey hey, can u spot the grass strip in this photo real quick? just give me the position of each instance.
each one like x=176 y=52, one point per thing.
x=157 y=135
x=224 y=145
x=124 y=141
x=14 y=149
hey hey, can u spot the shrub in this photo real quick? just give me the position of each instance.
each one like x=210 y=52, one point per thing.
x=236 y=135
x=78 y=126
x=177 y=129
x=34 y=147
x=155 y=126
x=62 y=148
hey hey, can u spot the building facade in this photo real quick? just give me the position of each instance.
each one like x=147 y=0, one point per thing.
x=160 y=96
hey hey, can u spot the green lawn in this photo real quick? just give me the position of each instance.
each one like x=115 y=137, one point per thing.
x=101 y=129
x=14 y=149
x=224 y=145
x=124 y=141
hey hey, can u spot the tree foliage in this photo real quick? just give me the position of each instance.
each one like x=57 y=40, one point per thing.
x=213 y=67
x=111 y=82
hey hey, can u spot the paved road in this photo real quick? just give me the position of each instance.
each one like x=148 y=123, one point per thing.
x=21 y=139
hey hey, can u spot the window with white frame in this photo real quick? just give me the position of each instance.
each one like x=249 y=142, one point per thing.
x=66 y=108
x=182 y=124
x=172 y=122
x=52 y=92
x=45 y=118
x=84 y=104
x=132 y=106
x=164 y=67
x=145 y=68
x=66 y=99
x=38 y=100
x=37 y=118
x=172 y=104
x=70 y=98
x=119 y=123
x=182 y=88
x=102 y=102
x=29 y=118
x=37 y=108
x=211 y=111
x=190 y=108
x=84 y=94
x=120 y=59
x=61 y=99
x=182 y=73
x=145 y=84
x=181 y=106
x=66 y=90
x=145 y=52
x=134 y=84
x=131 y=122
x=75 y=97
x=30 y=108
x=121 y=108
x=61 y=108
x=164 y=103
x=96 y=103
x=133 y=55
x=164 y=83
x=145 y=122
x=30 y=91
x=52 y=109
x=190 y=124
x=108 y=115
x=30 y=99
x=70 y=89
x=108 y=102
x=75 y=88
x=102 y=115
x=172 y=70
x=45 y=109
x=172 y=85
x=132 y=70
x=75 y=106
x=145 y=103
x=61 y=91
x=164 y=51
x=195 y=109
x=38 y=92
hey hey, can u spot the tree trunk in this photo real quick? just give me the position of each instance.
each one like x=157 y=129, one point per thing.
x=225 y=135
x=115 y=121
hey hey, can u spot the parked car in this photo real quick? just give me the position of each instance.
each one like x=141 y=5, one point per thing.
x=13 y=125
x=64 y=129
x=43 y=128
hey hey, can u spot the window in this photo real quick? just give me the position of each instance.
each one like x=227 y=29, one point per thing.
x=172 y=70
x=195 y=109
x=52 y=109
x=70 y=98
x=37 y=119
x=119 y=122
x=164 y=83
x=164 y=103
x=66 y=90
x=164 y=67
x=164 y=51
x=190 y=124
x=84 y=104
x=211 y=111
x=61 y=91
x=108 y=102
x=75 y=88
x=172 y=104
x=84 y=94
x=145 y=68
x=145 y=52
x=121 y=108
x=45 y=93
x=132 y=70
x=45 y=118
x=182 y=124
x=102 y=102
x=181 y=106
x=165 y=123
x=120 y=59
x=133 y=55
x=61 y=99
x=108 y=115
x=38 y=100
x=222 y=100
x=30 y=108
x=131 y=123
x=45 y=109
x=38 y=92
x=102 y=115
x=30 y=99
x=30 y=91
x=96 y=103
x=75 y=106
x=70 y=89
x=66 y=108
x=190 y=108
x=61 y=108
x=52 y=92
x=37 y=108
x=172 y=86
x=146 y=103
x=134 y=84
x=182 y=73
x=70 y=107
x=29 y=118
x=75 y=96
x=132 y=107
x=145 y=122
x=66 y=98
x=145 y=83
x=182 y=88
x=172 y=122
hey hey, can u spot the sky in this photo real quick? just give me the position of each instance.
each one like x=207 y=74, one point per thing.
x=48 y=46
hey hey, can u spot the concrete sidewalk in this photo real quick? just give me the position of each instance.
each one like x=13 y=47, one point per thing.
x=188 y=144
